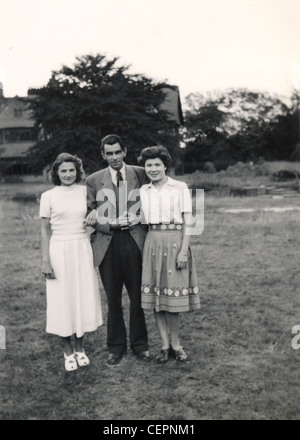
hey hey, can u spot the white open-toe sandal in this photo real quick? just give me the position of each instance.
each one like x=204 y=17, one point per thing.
x=70 y=362
x=81 y=358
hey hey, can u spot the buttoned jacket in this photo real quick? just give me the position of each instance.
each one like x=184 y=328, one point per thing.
x=99 y=189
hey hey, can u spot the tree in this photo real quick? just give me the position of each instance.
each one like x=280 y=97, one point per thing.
x=202 y=132
x=237 y=125
x=252 y=118
x=96 y=97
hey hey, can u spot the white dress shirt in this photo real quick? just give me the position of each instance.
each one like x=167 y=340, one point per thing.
x=165 y=205
x=113 y=174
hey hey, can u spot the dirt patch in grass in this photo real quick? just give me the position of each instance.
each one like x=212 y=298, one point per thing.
x=242 y=363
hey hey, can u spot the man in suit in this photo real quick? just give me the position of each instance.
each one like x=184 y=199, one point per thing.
x=118 y=245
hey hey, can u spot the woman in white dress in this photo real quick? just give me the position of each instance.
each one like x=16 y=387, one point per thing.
x=73 y=297
x=169 y=279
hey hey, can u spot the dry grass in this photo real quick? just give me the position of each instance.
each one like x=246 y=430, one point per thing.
x=243 y=365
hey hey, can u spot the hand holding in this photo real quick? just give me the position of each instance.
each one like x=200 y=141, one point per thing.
x=91 y=218
x=133 y=219
x=120 y=222
x=123 y=221
x=47 y=270
x=181 y=262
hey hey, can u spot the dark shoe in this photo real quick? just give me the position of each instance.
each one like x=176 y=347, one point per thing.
x=180 y=355
x=143 y=356
x=163 y=357
x=114 y=358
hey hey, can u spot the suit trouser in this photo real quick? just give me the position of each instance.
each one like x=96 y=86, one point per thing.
x=122 y=265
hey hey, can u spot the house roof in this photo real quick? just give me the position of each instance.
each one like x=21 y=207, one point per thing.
x=172 y=104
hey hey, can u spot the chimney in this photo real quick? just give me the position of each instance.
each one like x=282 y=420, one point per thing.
x=1 y=90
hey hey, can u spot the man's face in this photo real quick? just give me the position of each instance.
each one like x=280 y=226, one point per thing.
x=114 y=155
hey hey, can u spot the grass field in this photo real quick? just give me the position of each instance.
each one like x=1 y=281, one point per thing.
x=242 y=363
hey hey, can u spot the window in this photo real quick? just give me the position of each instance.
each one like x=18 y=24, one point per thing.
x=18 y=112
x=15 y=135
x=17 y=169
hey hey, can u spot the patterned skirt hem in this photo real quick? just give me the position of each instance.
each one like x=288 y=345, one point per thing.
x=173 y=304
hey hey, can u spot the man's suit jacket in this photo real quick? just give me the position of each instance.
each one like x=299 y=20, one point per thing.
x=99 y=185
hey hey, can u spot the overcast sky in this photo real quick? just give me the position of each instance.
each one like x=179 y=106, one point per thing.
x=198 y=45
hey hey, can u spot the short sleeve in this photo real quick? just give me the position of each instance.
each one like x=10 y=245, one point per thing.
x=186 y=201
x=45 y=205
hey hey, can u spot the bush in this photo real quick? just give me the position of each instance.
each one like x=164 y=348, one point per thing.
x=209 y=167
x=285 y=175
x=241 y=169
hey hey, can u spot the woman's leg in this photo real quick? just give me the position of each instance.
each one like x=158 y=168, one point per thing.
x=70 y=361
x=162 y=325
x=81 y=357
x=68 y=349
x=78 y=344
x=173 y=323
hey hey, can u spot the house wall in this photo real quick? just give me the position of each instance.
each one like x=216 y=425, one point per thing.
x=17 y=135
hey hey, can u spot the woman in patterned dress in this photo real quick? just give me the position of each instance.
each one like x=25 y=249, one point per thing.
x=169 y=280
x=73 y=298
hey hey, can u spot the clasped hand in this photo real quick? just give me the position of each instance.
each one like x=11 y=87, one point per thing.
x=91 y=218
x=47 y=270
x=125 y=222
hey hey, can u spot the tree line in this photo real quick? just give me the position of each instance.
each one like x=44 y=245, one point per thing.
x=96 y=96
x=240 y=125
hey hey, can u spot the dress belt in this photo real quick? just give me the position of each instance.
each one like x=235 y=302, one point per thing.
x=165 y=227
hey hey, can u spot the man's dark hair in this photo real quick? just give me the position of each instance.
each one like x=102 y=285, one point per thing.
x=111 y=139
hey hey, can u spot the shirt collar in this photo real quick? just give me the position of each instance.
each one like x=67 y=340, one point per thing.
x=113 y=172
x=169 y=182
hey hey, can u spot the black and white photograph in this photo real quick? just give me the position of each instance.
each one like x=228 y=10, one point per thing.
x=149 y=213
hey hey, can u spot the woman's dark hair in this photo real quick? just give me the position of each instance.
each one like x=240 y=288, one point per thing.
x=154 y=152
x=66 y=157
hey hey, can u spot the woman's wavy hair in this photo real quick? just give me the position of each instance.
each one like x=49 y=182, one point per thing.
x=66 y=157
x=154 y=152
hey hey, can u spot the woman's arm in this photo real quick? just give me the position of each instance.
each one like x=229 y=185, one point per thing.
x=45 y=239
x=182 y=256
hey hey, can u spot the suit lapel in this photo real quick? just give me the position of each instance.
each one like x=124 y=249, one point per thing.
x=107 y=182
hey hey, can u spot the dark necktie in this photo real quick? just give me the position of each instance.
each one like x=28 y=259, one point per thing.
x=119 y=177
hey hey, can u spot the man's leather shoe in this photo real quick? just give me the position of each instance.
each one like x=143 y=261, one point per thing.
x=143 y=356
x=114 y=358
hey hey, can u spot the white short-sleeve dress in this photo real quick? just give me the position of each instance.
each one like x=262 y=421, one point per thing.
x=73 y=298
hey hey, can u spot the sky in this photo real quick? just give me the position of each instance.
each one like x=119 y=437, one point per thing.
x=198 y=45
